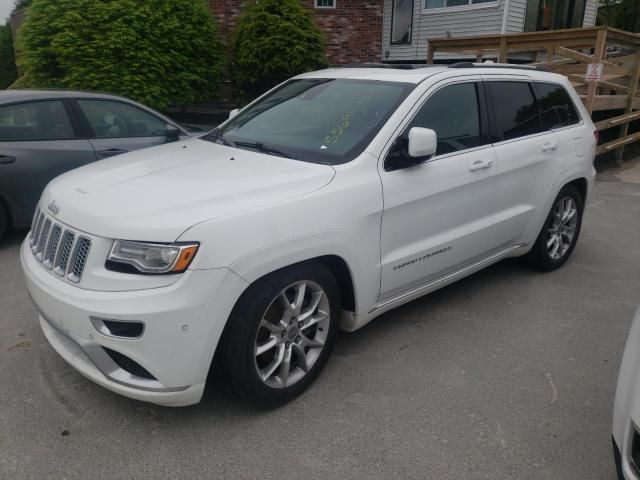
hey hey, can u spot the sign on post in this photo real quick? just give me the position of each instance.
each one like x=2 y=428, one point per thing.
x=594 y=72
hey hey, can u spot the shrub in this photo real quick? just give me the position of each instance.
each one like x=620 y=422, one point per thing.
x=274 y=40
x=157 y=52
x=8 y=72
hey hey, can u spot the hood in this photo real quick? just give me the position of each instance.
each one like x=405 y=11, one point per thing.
x=157 y=193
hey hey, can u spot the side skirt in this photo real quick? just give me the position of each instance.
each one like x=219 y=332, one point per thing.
x=351 y=322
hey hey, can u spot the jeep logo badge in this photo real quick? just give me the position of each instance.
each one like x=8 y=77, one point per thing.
x=53 y=208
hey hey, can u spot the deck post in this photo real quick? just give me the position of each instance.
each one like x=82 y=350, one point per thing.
x=503 y=52
x=430 y=52
x=633 y=88
x=598 y=56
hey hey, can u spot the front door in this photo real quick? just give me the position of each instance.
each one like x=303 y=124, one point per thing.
x=118 y=127
x=438 y=215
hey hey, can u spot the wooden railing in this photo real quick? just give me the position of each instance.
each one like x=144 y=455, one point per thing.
x=570 y=52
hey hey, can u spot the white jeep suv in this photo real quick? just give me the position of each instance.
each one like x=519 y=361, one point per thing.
x=333 y=198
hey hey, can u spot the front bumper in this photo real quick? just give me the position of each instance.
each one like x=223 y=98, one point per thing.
x=182 y=326
x=626 y=412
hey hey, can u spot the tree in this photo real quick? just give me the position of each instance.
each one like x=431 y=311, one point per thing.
x=274 y=40
x=8 y=71
x=623 y=14
x=157 y=52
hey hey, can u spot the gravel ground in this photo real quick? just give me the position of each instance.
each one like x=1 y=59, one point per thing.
x=507 y=374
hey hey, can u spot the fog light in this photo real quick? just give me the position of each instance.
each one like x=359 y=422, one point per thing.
x=118 y=328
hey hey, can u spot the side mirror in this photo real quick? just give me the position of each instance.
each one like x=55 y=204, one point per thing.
x=172 y=133
x=233 y=113
x=423 y=142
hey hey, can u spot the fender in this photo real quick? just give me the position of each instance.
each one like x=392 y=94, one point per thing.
x=258 y=263
x=568 y=175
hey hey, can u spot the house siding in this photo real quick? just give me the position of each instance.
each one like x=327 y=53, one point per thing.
x=461 y=23
x=477 y=21
x=353 y=29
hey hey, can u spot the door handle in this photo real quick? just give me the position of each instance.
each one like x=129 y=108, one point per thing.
x=112 y=152
x=549 y=146
x=480 y=164
x=6 y=160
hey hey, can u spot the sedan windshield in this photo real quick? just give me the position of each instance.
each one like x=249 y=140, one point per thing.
x=327 y=121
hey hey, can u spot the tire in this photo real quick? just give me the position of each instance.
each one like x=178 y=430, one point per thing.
x=552 y=249
x=268 y=318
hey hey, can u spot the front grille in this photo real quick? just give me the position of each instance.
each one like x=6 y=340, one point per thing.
x=58 y=247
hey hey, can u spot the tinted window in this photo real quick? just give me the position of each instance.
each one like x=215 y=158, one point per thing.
x=516 y=113
x=316 y=120
x=35 y=121
x=454 y=115
x=117 y=120
x=555 y=106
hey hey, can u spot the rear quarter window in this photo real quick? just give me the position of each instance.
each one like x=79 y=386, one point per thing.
x=555 y=106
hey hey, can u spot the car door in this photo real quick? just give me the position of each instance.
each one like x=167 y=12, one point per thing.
x=117 y=127
x=438 y=215
x=525 y=153
x=38 y=142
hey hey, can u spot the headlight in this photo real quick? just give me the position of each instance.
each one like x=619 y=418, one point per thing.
x=140 y=257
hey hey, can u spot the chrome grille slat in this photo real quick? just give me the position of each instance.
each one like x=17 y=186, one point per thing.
x=36 y=236
x=62 y=259
x=58 y=248
x=52 y=246
x=42 y=241
x=36 y=215
x=80 y=254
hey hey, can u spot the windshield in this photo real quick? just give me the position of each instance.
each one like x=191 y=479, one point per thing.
x=317 y=120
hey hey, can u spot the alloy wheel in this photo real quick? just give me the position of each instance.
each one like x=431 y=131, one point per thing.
x=292 y=334
x=562 y=230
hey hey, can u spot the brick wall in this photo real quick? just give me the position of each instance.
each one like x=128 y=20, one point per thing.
x=353 y=29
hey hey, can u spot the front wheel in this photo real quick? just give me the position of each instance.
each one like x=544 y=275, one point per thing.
x=281 y=333
x=560 y=232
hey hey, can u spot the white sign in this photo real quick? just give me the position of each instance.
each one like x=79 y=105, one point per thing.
x=594 y=71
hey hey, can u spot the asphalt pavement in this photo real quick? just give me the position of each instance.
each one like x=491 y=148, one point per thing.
x=508 y=374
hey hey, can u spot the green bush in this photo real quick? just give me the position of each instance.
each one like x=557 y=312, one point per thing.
x=275 y=39
x=8 y=72
x=155 y=51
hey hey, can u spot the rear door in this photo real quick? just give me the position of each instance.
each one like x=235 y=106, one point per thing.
x=117 y=127
x=526 y=153
x=38 y=141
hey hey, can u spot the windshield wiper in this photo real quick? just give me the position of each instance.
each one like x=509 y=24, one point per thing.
x=216 y=135
x=261 y=147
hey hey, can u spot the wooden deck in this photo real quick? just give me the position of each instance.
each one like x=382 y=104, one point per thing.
x=569 y=52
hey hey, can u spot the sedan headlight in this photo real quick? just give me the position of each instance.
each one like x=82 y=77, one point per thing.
x=141 y=257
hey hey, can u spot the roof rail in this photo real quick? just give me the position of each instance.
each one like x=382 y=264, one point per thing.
x=396 y=66
x=496 y=65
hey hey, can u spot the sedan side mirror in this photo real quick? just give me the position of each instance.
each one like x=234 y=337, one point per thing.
x=233 y=113
x=423 y=142
x=172 y=132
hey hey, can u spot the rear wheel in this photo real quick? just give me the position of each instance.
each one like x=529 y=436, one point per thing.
x=281 y=333
x=560 y=232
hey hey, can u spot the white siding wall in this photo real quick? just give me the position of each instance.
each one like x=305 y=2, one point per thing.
x=478 y=21
x=474 y=21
